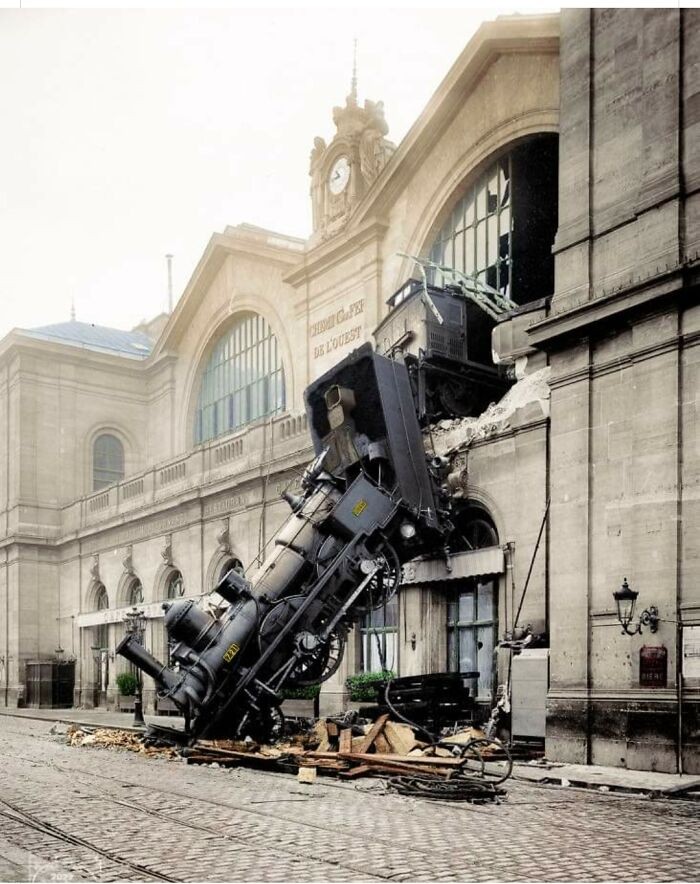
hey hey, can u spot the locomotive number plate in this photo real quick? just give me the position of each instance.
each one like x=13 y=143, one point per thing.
x=231 y=652
x=359 y=507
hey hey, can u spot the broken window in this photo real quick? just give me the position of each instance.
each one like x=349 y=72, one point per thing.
x=501 y=229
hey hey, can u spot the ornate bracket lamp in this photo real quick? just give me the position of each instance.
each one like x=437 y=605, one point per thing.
x=626 y=599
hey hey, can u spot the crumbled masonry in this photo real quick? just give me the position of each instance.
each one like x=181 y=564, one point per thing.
x=451 y=436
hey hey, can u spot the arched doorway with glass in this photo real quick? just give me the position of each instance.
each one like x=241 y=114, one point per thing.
x=472 y=610
x=100 y=650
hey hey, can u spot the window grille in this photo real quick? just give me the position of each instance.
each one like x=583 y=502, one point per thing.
x=243 y=380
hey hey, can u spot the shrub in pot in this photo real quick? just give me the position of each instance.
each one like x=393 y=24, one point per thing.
x=363 y=686
x=127 y=684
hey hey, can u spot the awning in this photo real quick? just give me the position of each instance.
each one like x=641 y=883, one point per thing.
x=118 y=615
x=475 y=563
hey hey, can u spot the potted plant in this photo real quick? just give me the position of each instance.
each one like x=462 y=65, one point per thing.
x=127 y=685
x=363 y=686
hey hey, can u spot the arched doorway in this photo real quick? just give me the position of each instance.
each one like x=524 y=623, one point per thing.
x=100 y=648
x=472 y=607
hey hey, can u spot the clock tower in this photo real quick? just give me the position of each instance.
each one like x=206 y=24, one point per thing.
x=342 y=171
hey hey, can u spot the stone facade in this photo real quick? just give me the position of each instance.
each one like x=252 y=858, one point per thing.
x=613 y=451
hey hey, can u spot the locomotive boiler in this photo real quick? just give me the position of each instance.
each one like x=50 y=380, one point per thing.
x=370 y=500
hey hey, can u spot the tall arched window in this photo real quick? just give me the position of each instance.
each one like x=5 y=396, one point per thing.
x=243 y=380
x=502 y=227
x=107 y=461
x=134 y=594
x=175 y=586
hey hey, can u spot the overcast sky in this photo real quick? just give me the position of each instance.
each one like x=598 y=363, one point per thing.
x=129 y=134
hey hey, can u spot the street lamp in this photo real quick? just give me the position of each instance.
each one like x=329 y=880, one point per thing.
x=136 y=625
x=626 y=599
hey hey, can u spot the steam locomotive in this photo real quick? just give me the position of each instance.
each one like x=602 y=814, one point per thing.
x=370 y=500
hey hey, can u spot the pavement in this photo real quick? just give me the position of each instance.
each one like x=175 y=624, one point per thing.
x=574 y=775
x=75 y=814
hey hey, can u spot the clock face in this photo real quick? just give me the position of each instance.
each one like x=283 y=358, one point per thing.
x=340 y=175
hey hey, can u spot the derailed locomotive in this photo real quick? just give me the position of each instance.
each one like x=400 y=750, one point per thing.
x=370 y=500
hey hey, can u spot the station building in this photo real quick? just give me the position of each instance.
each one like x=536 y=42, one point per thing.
x=559 y=161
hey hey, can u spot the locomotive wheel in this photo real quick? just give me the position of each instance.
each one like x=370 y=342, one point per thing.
x=382 y=587
x=321 y=660
x=456 y=397
x=323 y=664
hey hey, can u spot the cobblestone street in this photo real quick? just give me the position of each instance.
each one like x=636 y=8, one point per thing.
x=74 y=814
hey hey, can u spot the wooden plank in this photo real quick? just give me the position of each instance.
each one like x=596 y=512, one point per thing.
x=369 y=738
x=359 y=771
x=421 y=760
x=382 y=745
x=345 y=740
x=400 y=737
x=332 y=728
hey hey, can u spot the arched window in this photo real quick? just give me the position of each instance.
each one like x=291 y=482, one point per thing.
x=230 y=565
x=243 y=380
x=175 y=585
x=101 y=598
x=107 y=461
x=501 y=229
x=134 y=594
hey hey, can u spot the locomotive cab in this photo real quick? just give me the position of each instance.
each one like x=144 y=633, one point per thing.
x=445 y=341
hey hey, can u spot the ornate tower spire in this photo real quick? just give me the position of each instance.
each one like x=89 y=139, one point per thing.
x=72 y=309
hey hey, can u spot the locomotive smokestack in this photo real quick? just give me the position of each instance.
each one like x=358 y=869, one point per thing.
x=135 y=652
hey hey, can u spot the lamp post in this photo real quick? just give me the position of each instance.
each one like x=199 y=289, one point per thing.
x=626 y=599
x=135 y=621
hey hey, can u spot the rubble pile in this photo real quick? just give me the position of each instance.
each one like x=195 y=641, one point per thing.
x=111 y=738
x=531 y=391
x=340 y=748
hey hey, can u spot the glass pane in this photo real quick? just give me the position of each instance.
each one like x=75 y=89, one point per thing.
x=452 y=661
x=485 y=660
x=390 y=651
x=458 y=260
x=492 y=249
x=470 y=253
x=467 y=650
x=458 y=216
x=466 y=607
x=469 y=210
x=481 y=200
x=485 y=601
x=451 y=612
x=481 y=246
x=492 y=191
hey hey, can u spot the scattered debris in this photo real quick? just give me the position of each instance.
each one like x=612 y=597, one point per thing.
x=463 y=765
x=110 y=738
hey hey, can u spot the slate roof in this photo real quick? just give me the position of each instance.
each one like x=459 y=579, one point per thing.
x=95 y=337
